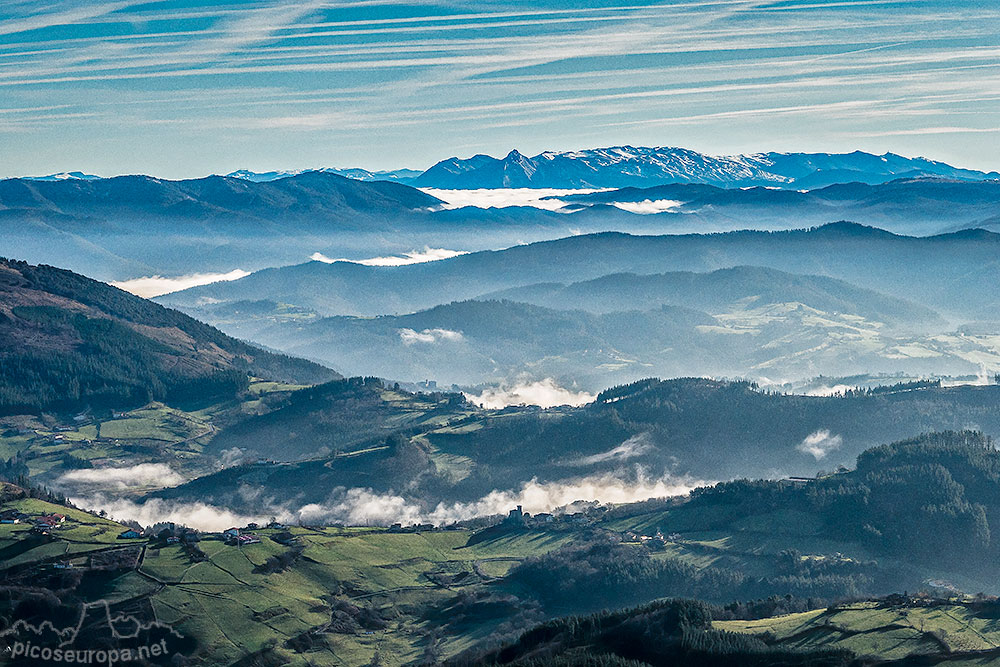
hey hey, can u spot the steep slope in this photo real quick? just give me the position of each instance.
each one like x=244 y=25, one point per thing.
x=72 y=342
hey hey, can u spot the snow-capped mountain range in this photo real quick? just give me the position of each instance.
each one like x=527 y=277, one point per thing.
x=64 y=176
x=630 y=166
x=397 y=175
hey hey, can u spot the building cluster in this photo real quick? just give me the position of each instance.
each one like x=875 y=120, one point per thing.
x=40 y=523
x=518 y=517
x=241 y=537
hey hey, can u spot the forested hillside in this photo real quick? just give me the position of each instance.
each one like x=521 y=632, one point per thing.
x=679 y=431
x=74 y=343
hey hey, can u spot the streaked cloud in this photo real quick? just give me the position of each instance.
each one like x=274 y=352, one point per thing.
x=156 y=87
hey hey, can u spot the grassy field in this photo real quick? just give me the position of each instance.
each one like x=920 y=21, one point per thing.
x=228 y=603
x=153 y=433
x=233 y=604
x=889 y=632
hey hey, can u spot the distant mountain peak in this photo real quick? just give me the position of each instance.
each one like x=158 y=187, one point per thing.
x=396 y=175
x=644 y=166
x=64 y=176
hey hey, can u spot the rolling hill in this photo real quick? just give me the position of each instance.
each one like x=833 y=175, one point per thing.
x=760 y=321
x=941 y=272
x=73 y=343
x=131 y=226
x=721 y=291
x=753 y=330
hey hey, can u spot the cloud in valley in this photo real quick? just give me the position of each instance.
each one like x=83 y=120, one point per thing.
x=819 y=443
x=363 y=506
x=413 y=257
x=139 y=476
x=544 y=393
x=410 y=337
x=151 y=286
x=543 y=198
x=200 y=516
x=647 y=206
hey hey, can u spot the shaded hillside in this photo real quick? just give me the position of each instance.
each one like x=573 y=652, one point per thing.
x=72 y=342
x=931 y=501
x=337 y=416
x=674 y=431
x=670 y=632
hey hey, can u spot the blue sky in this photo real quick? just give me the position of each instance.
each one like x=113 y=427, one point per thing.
x=190 y=87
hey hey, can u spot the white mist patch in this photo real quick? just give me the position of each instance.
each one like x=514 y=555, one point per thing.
x=819 y=443
x=828 y=390
x=413 y=257
x=140 y=476
x=410 y=337
x=543 y=198
x=637 y=445
x=365 y=507
x=151 y=286
x=199 y=516
x=358 y=507
x=982 y=379
x=543 y=393
x=648 y=206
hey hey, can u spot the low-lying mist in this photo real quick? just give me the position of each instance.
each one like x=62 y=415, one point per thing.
x=543 y=393
x=363 y=506
x=151 y=286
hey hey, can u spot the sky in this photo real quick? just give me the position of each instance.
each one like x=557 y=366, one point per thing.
x=185 y=88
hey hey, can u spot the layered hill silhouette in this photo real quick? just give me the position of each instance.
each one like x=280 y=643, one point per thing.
x=943 y=272
x=134 y=226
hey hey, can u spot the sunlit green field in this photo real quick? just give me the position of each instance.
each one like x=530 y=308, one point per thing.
x=878 y=630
